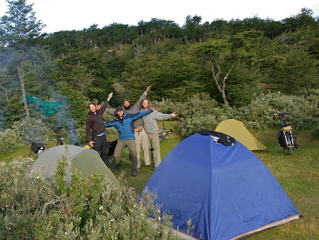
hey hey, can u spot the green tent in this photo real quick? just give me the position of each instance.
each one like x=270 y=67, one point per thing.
x=86 y=161
x=238 y=130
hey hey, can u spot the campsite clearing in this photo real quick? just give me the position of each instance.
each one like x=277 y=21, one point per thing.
x=297 y=174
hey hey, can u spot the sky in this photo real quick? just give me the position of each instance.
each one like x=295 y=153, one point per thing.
x=59 y=15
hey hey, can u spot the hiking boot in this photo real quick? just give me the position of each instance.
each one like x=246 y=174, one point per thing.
x=116 y=167
x=134 y=173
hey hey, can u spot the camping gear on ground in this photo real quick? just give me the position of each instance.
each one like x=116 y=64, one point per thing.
x=285 y=136
x=238 y=130
x=59 y=140
x=162 y=132
x=36 y=149
x=86 y=161
x=226 y=191
x=110 y=151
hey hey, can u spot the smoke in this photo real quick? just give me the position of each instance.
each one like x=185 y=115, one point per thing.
x=2 y=118
x=64 y=121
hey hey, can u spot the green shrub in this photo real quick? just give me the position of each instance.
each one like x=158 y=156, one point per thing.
x=32 y=207
x=26 y=129
x=10 y=140
x=315 y=132
x=201 y=112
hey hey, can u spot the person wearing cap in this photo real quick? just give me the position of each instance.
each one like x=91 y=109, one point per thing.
x=95 y=129
x=141 y=139
x=124 y=124
x=151 y=128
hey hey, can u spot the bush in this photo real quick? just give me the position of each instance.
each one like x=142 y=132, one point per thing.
x=32 y=207
x=315 y=132
x=26 y=129
x=10 y=140
x=201 y=112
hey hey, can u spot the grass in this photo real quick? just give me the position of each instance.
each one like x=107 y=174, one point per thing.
x=297 y=174
x=171 y=140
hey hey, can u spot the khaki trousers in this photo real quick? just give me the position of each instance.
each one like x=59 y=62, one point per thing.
x=155 y=148
x=141 y=140
x=120 y=147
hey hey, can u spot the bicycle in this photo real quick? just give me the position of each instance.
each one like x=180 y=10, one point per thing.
x=36 y=149
x=162 y=133
x=285 y=135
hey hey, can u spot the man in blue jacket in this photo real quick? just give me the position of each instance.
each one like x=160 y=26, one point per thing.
x=141 y=138
x=124 y=124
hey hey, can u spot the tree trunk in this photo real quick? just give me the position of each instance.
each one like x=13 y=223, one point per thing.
x=221 y=85
x=5 y=93
x=21 y=78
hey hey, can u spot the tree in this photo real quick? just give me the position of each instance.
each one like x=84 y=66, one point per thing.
x=226 y=57
x=303 y=19
x=193 y=30
x=216 y=55
x=18 y=29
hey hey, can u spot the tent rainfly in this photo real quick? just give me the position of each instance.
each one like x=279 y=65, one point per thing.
x=226 y=191
x=86 y=161
x=238 y=130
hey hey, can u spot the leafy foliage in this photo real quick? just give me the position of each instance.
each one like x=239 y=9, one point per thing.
x=200 y=112
x=32 y=207
x=232 y=62
x=21 y=131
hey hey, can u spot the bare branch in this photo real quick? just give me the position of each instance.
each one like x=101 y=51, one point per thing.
x=5 y=92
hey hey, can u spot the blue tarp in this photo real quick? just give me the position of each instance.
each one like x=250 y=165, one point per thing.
x=226 y=190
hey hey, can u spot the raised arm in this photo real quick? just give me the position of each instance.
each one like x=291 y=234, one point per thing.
x=110 y=111
x=163 y=116
x=106 y=103
x=142 y=114
x=137 y=105
x=110 y=124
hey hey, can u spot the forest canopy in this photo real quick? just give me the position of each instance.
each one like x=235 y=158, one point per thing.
x=230 y=61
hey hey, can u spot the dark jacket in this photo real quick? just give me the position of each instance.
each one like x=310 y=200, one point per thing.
x=95 y=123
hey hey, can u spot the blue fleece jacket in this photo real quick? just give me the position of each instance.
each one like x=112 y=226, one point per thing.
x=125 y=127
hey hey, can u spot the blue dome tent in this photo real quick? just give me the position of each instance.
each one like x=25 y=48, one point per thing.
x=226 y=191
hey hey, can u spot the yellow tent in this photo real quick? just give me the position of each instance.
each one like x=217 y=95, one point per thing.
x=238 y=130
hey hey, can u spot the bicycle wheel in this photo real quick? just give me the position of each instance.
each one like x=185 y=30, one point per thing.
x=291 y=150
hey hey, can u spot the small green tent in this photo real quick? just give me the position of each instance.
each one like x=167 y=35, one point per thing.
x=238 y=130
x=86 y=161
